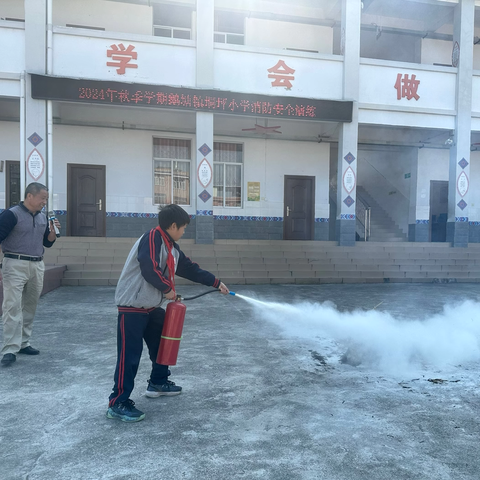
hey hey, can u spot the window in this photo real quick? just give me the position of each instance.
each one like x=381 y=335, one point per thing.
x=227 y=174
x=171 y=171
x=229 y=27
x=172 y=21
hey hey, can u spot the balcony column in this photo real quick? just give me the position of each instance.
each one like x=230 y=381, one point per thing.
x=348 y=136
x=35 y=138
x=459 y=172
x=204 y=232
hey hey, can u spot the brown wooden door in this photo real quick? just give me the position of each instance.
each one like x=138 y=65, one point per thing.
x=299 y=208
x=12 y=184
x=86 y=200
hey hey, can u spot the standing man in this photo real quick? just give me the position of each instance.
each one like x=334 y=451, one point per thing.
x=24 y=231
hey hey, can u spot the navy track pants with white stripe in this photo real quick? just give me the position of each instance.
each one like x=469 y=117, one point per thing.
x=133 y=328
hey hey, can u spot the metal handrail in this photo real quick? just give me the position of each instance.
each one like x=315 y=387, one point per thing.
x=363 y=213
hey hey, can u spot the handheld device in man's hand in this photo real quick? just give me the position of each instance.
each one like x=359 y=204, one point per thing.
x=52 y=218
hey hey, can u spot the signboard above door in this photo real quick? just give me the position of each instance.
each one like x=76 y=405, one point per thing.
x=189 y=99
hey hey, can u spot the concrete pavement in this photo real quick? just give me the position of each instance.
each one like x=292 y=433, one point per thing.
x=256 y=402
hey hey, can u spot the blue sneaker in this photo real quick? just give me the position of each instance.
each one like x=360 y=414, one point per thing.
x=125 y=411
x=169 y=388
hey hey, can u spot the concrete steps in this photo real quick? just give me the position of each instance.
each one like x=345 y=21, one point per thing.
x=99 y=261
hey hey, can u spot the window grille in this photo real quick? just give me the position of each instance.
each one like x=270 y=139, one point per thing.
x=171 y=171
x=227 y=174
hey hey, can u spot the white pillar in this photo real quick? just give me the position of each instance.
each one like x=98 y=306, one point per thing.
x=459 y=173
x=348 y=136
x=204 y=228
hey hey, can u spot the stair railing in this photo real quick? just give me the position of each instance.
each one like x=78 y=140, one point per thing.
x=363 y=213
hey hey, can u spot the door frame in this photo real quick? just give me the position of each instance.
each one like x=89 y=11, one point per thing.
x=312 y=219
x=70 y=166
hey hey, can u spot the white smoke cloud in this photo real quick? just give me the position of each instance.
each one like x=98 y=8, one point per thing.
x=447 y=339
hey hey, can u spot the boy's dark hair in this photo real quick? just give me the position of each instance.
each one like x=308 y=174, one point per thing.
x=35 y=188
x=172 y=214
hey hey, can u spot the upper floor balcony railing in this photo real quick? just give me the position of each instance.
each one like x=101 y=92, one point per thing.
x=388 y=35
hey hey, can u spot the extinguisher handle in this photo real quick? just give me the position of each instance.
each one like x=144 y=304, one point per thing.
x=178 y=298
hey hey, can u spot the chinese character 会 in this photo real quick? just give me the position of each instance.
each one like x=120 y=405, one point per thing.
x=282 y=75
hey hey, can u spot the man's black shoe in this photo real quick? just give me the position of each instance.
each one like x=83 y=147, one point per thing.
x=29 y=351
x=8 y=359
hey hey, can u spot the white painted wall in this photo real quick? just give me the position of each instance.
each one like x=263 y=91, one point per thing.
x=440 y=51
x=157 y=63
x=433 y=164
x=246 y=70
x=13 y=57
x=474 y=192
x=377 y=86
x=113 y=16
x=12 y=9
x=268 y=161
x=274 y=34
x=127 y=155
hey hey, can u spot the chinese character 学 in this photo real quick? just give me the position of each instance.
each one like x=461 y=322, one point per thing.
x=282 y=75
x=121 y=57
x=407 y=87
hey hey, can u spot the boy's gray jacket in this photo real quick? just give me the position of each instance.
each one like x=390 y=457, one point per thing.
x=145 y=278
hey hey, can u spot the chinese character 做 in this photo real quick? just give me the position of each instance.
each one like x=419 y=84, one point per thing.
x=407 y=87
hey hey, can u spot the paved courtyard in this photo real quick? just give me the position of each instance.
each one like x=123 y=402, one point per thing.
x=382 y=383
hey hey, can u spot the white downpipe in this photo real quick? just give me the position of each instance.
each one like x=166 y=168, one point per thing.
x=49 y=105
x=22 y=135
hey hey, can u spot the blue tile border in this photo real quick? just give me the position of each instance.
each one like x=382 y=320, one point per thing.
x=199 y=213
x=461 y=219
x=347 y=216
x=132 y=215
x=474 y=224
x=422 y=222
x=248 y=218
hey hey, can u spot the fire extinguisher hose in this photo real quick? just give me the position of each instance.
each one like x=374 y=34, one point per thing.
x=196 y=296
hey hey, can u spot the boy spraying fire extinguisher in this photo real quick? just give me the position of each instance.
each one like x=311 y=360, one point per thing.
x=147 y=279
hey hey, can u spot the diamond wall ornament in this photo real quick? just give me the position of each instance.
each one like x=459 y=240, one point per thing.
x=204 y=149
x=463 y=163
x=462 y=204
x=205 y=196
x=35 y=139
x=349 y=201
x=349 y=158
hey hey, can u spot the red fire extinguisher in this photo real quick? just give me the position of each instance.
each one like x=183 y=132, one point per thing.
x=171 y=333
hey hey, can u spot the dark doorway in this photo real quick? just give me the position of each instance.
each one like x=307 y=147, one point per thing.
x=12 y=183
x=438 y=210
x=299 y=208
x=86 y=200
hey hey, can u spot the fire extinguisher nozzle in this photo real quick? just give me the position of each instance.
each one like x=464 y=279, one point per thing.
x=231 y=293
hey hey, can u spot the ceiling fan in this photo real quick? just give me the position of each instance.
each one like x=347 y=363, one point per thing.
x=262 y=129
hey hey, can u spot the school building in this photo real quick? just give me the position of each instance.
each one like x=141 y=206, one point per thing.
x=339 y=120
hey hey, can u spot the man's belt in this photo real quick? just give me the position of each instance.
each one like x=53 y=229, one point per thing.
x=23 y=257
